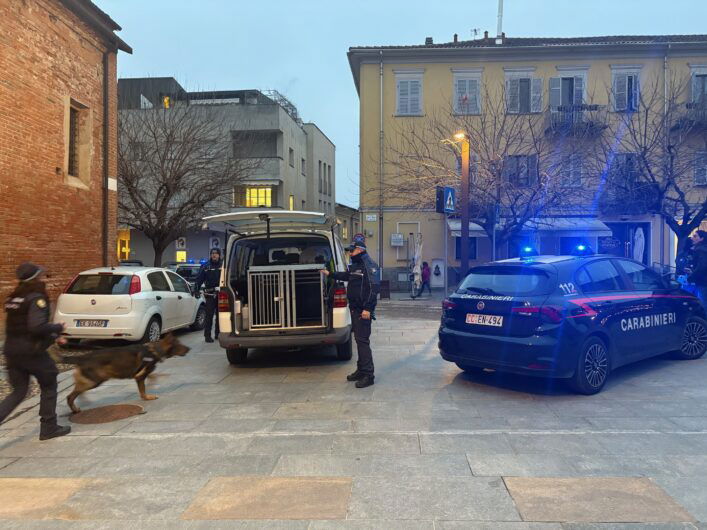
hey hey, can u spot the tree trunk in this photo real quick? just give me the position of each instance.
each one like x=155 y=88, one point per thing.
x=158 y=247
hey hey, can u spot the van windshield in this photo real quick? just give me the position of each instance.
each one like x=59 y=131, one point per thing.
x=506 y=281
x=101 y=284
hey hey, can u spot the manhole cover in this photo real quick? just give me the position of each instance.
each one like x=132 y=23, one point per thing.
x=106 y=414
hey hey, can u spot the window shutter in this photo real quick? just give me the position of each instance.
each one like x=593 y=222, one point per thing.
x=415 y=103
x=555 y=92
x=696 y=89
x=701 y=168
x=473 y=93
x=575 y=175
x=578 y=98
x=532 y=162
x=536 y=95
x=513 y=95
x=620 y=92
x=636 y=92
x=461 y=96
x=509 y=168
x=403 y=97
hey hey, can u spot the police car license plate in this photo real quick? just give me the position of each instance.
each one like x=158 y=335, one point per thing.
x=484 y=320
x=91 y=323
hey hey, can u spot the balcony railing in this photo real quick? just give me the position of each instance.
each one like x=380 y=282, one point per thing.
x=694 y=116
x=575 y=119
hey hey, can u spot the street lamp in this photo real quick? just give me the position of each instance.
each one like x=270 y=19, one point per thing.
x=463 y=138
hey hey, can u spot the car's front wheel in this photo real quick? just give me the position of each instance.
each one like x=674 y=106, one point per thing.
x=593 y=366
x=153 y=331
x=694 y=339
x=200 y=320
x=237 y=355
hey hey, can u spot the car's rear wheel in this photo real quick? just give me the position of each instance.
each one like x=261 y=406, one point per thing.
x=694 y=339
x=593 y=366
x=237 y=355
x=344 y=351
x=200 y=320
x=153 y=331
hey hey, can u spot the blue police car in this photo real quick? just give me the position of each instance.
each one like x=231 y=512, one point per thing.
x=574 y=317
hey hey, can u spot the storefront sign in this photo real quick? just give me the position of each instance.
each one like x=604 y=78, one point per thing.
x=397 y=240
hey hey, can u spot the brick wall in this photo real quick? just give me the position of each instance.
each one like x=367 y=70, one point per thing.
x=48 y=55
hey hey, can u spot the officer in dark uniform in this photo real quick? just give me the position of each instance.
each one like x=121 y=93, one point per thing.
x=362 y=292
x=210 y=277
x=28 y=335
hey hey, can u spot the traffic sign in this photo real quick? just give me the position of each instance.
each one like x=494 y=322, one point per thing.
x=449 y=200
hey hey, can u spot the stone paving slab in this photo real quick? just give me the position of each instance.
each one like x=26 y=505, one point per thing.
x=689 y=492
x=373 y=465
x=594 y=500
x=525 y=465
x=454 y=498
x=36 y=498
x=271 y=498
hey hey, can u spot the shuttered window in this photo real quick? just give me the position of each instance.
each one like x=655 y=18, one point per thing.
x=701 y=168
x=409 y=92
x=699 y=88
x=521 y=170
x=573 y=173
x=524 y=95
x=625 y=91
x=566 y=92
x=466 y=95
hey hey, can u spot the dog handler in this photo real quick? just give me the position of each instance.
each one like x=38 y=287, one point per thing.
x=362 y=292
x=210 y=277
x=28 y=335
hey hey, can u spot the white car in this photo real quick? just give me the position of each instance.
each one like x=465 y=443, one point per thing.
x=272 y=292
x=132 y=303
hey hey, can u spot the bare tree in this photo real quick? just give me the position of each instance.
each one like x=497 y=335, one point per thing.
x=523 y=164
x=175 y=166
x=647 y=158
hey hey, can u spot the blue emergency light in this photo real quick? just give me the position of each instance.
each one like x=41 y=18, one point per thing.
x=527 y=252
x=582 y=250
x=202 y=261
x=190 y=261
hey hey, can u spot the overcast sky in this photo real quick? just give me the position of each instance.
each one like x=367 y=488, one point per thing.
x=299 y=47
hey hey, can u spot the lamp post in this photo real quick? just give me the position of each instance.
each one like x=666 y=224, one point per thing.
x=463 y=138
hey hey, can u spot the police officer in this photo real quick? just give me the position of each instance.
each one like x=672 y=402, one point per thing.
x=698 y=268
x=362 y=292
x=210 y=276
x=28 y=335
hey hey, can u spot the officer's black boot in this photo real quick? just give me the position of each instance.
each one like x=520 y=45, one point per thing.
x=365 y=380
x=49 y=431
x=208 y=339
x=354 y=376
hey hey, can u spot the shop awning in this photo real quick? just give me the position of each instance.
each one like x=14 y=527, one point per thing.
x=560 y=226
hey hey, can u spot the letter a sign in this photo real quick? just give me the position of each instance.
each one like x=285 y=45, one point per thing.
x=448 y=200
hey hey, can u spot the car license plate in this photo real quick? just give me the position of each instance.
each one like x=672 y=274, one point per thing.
x=484 y=320
x=91 y=323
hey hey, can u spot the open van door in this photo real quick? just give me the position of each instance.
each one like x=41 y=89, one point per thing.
x=260 y=219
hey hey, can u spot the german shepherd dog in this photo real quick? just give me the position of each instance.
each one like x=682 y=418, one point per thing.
x=135 y=361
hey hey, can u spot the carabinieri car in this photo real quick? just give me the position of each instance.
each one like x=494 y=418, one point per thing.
x=574 y=317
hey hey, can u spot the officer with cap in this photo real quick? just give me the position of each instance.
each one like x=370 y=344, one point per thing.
x=28 y=335
x=362 y=292
x=210 y=277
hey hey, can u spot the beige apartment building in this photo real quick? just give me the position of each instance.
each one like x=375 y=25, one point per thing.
x=579 y=81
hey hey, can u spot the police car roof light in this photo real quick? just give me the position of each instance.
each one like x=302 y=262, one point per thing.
x=582 y=250
x=528 y=252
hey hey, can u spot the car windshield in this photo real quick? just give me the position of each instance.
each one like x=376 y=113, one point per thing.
x=506 y=281
x=101 y=284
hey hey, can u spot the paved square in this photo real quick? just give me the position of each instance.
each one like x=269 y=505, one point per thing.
x=36 y=498
x=272 y=498
x=620 y=500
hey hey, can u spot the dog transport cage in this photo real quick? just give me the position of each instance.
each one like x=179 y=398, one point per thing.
x=286 y=297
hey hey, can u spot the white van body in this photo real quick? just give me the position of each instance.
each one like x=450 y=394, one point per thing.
x=272 y=293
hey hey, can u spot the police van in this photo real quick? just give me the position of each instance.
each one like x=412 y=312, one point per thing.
x=576 y=317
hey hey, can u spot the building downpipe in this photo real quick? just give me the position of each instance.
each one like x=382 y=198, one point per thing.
x=380 y=172
x=106 y=152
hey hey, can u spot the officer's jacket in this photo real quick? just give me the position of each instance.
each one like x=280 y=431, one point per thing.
x=699 y=270
x=28 y=330
x=209 y=275
x=363 y=286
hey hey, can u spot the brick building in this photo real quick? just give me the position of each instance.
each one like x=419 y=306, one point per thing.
x=58 y=95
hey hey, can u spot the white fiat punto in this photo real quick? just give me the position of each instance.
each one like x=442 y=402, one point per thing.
x=131 y=303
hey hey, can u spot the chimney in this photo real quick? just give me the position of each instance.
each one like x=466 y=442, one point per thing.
x=486 y=35
x=456 y=38
x=428 y=41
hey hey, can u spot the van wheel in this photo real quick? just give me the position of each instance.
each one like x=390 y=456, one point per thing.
x=200 y=320
x=153 y=331
x=694 y=339
x=237 y=355
x=593 y=366
x=344 y=351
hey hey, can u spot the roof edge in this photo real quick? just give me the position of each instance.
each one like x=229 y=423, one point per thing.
x=98 y=20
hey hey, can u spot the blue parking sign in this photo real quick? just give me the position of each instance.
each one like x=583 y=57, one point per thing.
x=449 y=200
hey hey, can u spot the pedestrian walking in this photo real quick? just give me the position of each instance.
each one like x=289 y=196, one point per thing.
x=697 y=273
x=425 y=274
x=28 y=335
x=362 y=292
x=210 y=277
